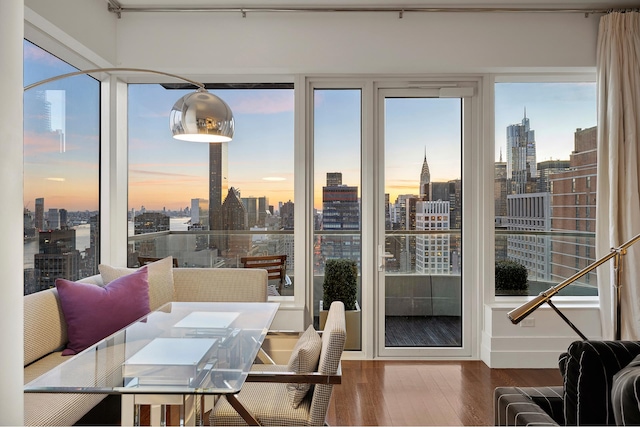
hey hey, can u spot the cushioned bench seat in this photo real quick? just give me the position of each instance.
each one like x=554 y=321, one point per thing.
x=45 y=328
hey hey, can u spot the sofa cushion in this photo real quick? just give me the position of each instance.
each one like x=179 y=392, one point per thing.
x=590 y=368
x=625 y=394
x=92 y=312
x=304 y=358
x=161 y=290
x=527 y=406
x=45 y=330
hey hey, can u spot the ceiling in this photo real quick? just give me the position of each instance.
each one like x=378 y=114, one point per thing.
x=373 y=4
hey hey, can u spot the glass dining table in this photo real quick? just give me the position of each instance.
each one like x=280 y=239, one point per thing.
x=176 y=355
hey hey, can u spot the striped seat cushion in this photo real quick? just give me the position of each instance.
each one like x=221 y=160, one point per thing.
x=624 y=394
x=523 y=406
x=590 y=368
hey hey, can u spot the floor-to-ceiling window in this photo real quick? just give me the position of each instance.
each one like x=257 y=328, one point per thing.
x=337 y=218
x=210 y=204
x=545 y=180
x=61 y=172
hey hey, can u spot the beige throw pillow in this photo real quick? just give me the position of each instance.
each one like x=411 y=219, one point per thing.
x=304 y=358
x=161 y=290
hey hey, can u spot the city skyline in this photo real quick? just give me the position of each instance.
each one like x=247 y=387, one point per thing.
x=261 y=163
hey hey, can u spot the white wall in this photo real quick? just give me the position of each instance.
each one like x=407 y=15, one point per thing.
x=538 y=345
x=85 y=26
x=11 y=171
x=226 y=43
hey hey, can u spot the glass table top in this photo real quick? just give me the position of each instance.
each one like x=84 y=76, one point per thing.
x=182 y=348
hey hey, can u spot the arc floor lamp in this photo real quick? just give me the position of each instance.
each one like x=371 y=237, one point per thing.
x=199 y=116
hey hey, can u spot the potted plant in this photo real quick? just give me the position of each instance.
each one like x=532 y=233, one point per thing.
x=511 y=278
x=341 y=284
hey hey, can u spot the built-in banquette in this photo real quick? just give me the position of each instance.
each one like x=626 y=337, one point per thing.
x=48 y=322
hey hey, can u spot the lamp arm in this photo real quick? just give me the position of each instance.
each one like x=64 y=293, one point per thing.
x=517 y=314
x=95 y=70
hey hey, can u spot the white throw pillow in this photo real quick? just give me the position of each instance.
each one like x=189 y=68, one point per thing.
x=161 y=289
x=304 y=358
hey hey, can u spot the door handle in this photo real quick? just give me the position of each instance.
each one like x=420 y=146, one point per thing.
x=382 y=255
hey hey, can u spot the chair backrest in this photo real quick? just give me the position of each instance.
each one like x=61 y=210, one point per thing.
x=274 y=264
x=220 y=284
x=333 y=339
x=144 y=260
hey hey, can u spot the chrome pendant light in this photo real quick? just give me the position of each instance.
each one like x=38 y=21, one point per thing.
x=199 y=116
x=202 y=117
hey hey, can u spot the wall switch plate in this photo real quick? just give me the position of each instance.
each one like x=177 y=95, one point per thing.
x=528 y=323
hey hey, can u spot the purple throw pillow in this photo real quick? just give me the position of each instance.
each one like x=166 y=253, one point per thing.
x=93 y=312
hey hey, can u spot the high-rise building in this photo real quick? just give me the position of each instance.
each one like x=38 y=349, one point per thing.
x=439 y=191
x=433 y=251
x=218 y=183
x=64 y=216
x=340 y=212
x=521 y=156
x=264 y=209
x=573 y=194
x=455 y=204
x=151 y=222
x=94 y=245
x=500 y=193
x=39 y=219
x=233 y=218
x=57 y=257
x=334 y=179
x=200 y=221
x=548 y=168
x=286 y=215
x=28 y=225
x=425 y=180
x=500 y=206
x=53 y=219
x=199 y=214
x=251 y=206
x=530 y=212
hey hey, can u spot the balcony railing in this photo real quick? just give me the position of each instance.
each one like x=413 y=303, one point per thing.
x=550 y=257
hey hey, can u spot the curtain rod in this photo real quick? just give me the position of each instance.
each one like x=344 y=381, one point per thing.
x=115 y=7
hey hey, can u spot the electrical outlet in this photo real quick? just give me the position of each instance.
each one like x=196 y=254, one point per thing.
x=528 y=322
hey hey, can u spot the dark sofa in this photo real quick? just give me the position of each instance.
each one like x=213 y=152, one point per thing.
x=601 y=386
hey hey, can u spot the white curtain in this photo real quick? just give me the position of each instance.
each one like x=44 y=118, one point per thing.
x=618 y=197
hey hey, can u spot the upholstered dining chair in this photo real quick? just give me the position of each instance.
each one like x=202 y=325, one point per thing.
x=292 y=394
x=276 y=266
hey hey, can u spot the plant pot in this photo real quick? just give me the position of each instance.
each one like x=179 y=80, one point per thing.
x=510 y=292
x=353 y=320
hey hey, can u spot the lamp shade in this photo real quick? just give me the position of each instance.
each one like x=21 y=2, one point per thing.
x=202 y=117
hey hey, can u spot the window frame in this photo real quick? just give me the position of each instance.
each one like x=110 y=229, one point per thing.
x=529 y=77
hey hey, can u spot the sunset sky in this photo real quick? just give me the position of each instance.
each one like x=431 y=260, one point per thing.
x=166 y=173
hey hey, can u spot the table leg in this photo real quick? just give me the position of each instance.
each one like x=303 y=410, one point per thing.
x=128 y=410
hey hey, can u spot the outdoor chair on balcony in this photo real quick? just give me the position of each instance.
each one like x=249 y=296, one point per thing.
x=276 y=266
x=296 y=394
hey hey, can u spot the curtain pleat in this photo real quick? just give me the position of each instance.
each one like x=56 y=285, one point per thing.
x=618 y=197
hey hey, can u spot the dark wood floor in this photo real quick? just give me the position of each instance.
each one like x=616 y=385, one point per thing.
x=406 y=393
x=417 y=393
